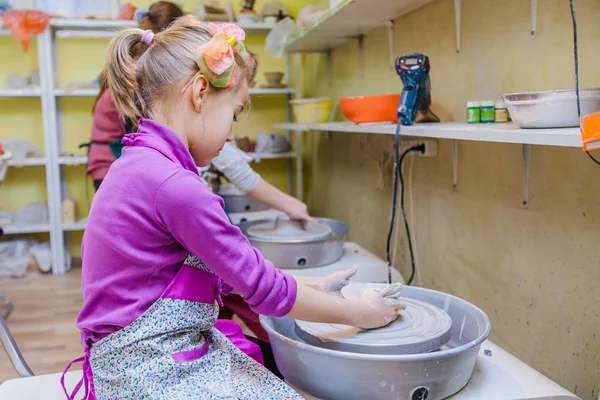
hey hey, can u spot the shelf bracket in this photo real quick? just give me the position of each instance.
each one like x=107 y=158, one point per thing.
x=329 y=55
x=454 y=164
x=534 y=7
x=390 y=32
x=526 y=173
x=457 y=12
x=361 y=55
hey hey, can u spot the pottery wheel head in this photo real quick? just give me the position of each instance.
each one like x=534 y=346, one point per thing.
x=420 y=328
x=283 y=228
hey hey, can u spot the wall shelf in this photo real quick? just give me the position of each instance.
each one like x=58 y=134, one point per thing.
x=29 y=92
x=257 y=157
x=271 y=156
x=87 y=92
x=499 y=133
x=26 y=229
x=93 y=92
x=100 y=29
x=28 y=162
x=74 y=160
x=75 y=227
x=349 y=20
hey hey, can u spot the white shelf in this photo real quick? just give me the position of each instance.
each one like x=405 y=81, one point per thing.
x=270 y=92
x=75 y=160
x=93 y=92
x=349 y=20
x=87 y=92
x=256 y=28
x=271 y=156
x=500 y=133
x=91 y=24
x=29 y=92
x=93 y=28
x=28 y=162
x=75 y=227
x=25 y=229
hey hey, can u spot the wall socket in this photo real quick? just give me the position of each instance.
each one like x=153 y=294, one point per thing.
x=431 y=146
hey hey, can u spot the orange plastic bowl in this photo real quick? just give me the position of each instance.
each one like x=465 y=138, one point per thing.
x=364 y=109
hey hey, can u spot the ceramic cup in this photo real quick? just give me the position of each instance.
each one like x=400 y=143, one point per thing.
x=274 y=78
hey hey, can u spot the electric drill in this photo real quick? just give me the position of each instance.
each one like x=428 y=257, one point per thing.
x=415 y=101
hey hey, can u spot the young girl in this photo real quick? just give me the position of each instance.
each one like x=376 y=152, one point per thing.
x=147 y=319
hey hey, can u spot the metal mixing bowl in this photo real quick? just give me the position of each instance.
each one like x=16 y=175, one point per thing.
x=338 y=375
x=551 y=109
x=294 y=253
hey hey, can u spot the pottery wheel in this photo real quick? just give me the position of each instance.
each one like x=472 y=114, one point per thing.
x=287 y=229
x=421 y=328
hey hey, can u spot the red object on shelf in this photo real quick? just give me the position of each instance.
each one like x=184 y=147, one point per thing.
x=127 y=12
x=364 y=109
x=1 y=150
x=25 y=23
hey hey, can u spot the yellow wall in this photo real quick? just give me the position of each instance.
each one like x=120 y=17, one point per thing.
x=535 y=272
x=80 y=60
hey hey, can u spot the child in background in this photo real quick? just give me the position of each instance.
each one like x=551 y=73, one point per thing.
x=107 y=127
x=147 y=319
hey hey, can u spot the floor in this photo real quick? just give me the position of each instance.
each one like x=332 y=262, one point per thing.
x=43 y=321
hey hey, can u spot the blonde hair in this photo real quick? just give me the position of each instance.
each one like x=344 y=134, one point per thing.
x=169 y=62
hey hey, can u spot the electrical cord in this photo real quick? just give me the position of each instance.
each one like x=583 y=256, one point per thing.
x=576 y=57
x=397 y=171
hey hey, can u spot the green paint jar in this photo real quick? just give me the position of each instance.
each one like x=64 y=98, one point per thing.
x=473 y=112
x=487 y=111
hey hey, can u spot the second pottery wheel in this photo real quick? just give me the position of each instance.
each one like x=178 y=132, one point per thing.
x=420 y=328
x=287 y=229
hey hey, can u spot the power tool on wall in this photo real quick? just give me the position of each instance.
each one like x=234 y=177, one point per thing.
x=415 y=102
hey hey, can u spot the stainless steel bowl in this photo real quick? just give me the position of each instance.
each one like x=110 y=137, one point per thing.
x=338 y=375
x=296 y=254
x=551 y=109
x=242 y=203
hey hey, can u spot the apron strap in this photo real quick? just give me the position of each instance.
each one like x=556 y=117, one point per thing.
x=86 y=381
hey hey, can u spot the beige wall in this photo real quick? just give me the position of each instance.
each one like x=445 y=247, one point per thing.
x=536 y=272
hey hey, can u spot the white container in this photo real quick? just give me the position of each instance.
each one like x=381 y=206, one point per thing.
x=270 y=20
x=4 y=165
x=246 y=18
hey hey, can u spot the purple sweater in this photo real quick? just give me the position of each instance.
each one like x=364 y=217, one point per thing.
x=151 y=210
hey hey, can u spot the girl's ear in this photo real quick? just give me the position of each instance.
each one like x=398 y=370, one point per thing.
x=200 y=87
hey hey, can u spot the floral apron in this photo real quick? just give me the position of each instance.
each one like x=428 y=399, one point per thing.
x=174 y=351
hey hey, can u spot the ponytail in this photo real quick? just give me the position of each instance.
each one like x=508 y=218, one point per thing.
x=121 y=73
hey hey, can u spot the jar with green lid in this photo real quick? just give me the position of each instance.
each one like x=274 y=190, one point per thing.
x=500 y=111
x=473 y=112
x=487 y=111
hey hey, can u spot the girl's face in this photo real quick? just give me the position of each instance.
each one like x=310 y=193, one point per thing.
x=209 y=125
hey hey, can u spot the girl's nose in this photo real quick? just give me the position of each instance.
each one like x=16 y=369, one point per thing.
x=230 y=138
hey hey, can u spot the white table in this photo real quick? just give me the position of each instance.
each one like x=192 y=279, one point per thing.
x=500 y=376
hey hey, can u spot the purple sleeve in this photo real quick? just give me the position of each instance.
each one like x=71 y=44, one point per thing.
x=195 y=217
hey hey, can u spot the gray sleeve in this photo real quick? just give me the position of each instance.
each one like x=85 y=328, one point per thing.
x=233 y=163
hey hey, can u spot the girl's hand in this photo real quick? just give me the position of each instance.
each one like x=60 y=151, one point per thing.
x=295 y=209
x=378 y=308
x=334 y=282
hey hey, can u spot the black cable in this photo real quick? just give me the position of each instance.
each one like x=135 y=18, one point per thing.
x=398 y=171
x=576 y=56
x=592 y=157
x=394 y=195
x=420 y=148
